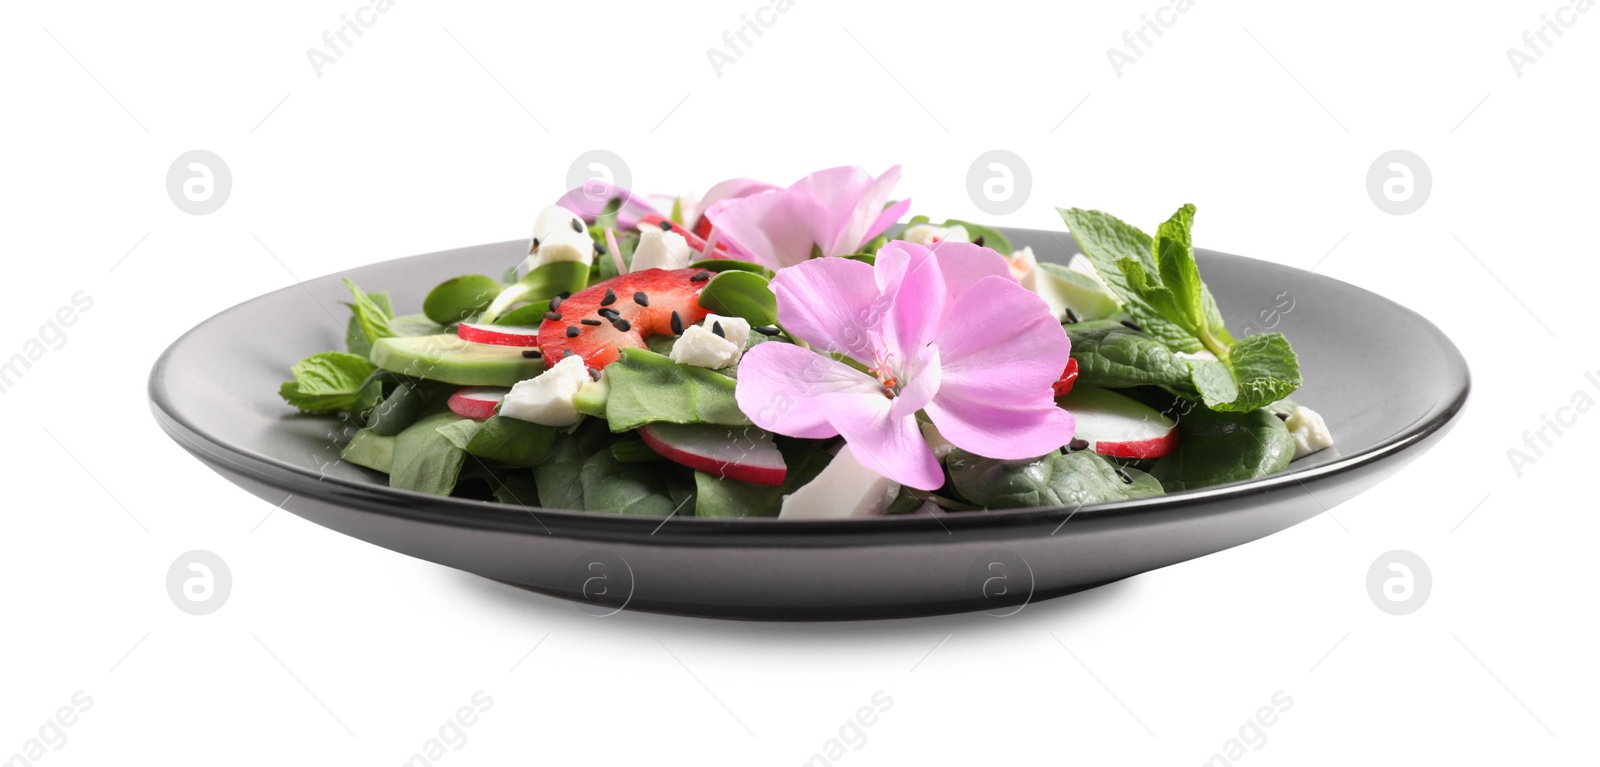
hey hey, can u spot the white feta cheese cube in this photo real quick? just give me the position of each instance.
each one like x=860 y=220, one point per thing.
x=700 y=347
x=661 y=250
x=547 y=398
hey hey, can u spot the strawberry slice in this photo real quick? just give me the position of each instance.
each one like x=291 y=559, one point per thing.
x=696 y=241
x=600 y=320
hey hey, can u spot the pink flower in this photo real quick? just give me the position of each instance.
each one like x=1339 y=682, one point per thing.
x=835 y=211
x=946 y=331
x=591 y=199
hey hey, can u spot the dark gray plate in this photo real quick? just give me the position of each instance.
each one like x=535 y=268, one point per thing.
x=1388 y=382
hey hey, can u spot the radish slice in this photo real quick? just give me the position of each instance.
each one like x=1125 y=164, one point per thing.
x=499 y=335
x=477 y=402
x=744 y=453
x=1120 y=427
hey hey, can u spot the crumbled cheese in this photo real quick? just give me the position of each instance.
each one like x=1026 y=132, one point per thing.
x=701 y=347
x=845 y=488
x=928 y=234
x=1310 y=432
x=661 y=250
x=547 y=398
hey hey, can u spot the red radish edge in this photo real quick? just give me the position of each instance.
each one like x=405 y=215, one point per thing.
x=1129 y=428
x=499 y=335
x=477 y=402
x=758 y=475
x=695 y=242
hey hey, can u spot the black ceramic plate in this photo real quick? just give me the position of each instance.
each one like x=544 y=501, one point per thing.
x=1388 y=382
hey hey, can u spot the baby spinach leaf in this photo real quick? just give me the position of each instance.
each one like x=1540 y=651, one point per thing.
x=1217 y=448
x=613 y=487
x=1113 y=356
x=330 y=382
x=512 y=442
x=731 y=265
x=426 y=460
x=369 y=449
x=399 y=410
x=991 y=237
x=646 y=387
x=461 y=432
x=729 y=498
x=458 y=298
x=557 y=476
x=1071 y=480
x=737 y=293
x=540 y=285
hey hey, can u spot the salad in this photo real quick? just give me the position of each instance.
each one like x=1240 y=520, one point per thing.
x=771 y=351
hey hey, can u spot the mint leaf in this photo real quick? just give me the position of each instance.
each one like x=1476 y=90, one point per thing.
x=1174 y=252
x=330 y=382
x=1159 y=284
x=371 y=317
x=1266 y=370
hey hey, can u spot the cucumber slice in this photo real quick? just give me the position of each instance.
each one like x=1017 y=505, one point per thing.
x=370 y=449
x=1061 y=286
x=451 y=360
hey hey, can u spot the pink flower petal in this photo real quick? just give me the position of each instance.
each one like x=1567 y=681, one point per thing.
x=832 y=304
x=919 y=300
x=893 y=447
x=731 y=189
x=923 y=378
x=590 y=200
x=780 y=388
x=889 y=217
x=975 y=424
x=964 y=264
x=777 y=228
x=1001 y=335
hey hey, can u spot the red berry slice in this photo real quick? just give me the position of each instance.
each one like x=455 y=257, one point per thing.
x=1063 y=387
x=606 y=317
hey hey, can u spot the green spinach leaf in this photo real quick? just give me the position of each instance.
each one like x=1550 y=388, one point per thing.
x=426 y=460
x=1217 y=448
x=647 y=387
x=1071 y=480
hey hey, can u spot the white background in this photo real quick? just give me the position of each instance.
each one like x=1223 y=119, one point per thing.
x=446 y=126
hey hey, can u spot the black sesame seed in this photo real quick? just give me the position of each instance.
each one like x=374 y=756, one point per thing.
x=677 y=324
x=768 y=330
x=555 y=303
x=608 y=313
x=1126 y=480
x=593 y=323
x=1133 y=326
x=572 y=331
x=565 y=353
x=553 y=316
x=577 y=227
x=1078 y=444
x=535 y=245
x=641 y=299
x=1071 y=317
x=716 y=327
x=666 y=226
x=532 y=354
x=565 y=294
x=622 y=326
x=700 y=276
x=611 y=297
x=1064 y=450
x=601 y=249
x=978 y=242
x=1282 y=416
x=594 y=373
